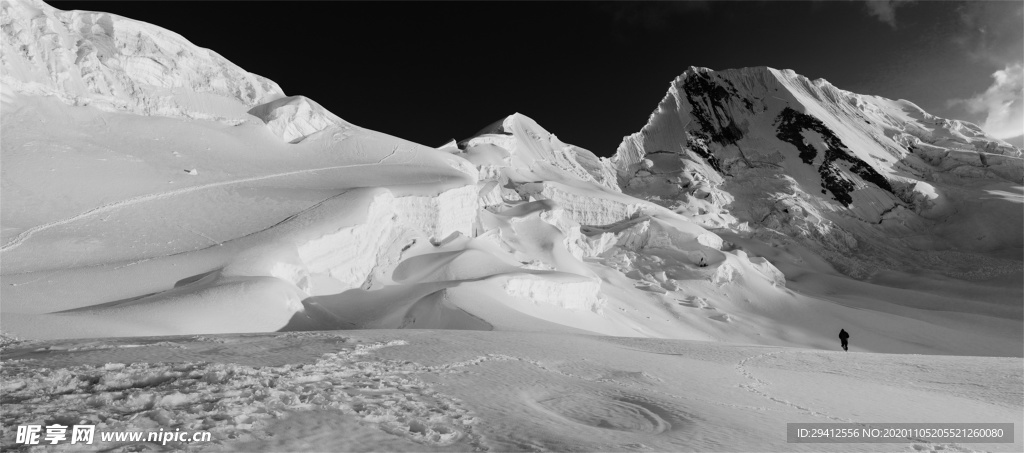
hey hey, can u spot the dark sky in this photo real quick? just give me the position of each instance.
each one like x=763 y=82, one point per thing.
x=593 y=72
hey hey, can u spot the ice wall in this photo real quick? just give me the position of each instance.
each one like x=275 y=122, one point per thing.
x=118 y=64
x=571 y=293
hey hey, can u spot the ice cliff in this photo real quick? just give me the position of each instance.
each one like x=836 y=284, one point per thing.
x=118 y=64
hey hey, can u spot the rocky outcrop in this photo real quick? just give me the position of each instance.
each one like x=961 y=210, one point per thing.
x=792 y=126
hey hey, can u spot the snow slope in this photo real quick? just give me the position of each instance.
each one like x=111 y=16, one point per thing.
x=416 y=390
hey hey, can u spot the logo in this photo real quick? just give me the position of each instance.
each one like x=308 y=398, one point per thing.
x=34 y=435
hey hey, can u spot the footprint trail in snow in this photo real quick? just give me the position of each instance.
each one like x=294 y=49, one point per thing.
x=237 y=402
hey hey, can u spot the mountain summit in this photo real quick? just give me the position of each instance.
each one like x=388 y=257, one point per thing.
x=870 y=181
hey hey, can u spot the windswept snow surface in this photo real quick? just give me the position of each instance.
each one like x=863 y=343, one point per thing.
x=416 y=390
x=150 y=187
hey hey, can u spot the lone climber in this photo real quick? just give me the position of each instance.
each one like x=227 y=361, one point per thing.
x=843 y=336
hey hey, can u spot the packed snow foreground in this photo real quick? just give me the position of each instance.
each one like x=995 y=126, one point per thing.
x=152 y=188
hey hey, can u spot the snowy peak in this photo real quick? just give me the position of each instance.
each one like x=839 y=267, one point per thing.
x=772 y=149
x=118 y=64
x=749 y=85
x=721 y=108
x=527 y=152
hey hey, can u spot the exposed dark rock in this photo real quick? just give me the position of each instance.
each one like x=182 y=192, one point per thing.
x=698 y=143
x=791 y=125
x=709 y=101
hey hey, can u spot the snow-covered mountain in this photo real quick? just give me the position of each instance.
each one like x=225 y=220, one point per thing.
x=183 y=195
x=868 y=182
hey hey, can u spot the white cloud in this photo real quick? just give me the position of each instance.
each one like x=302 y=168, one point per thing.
x=885 y=10
x=1002 y=104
